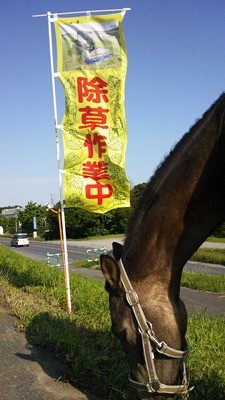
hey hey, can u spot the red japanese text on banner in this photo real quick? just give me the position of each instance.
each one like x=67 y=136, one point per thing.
x=92 y=68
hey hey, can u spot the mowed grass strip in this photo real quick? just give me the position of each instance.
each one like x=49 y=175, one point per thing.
x=36 y=294
x=205 y=282
x=213 y=256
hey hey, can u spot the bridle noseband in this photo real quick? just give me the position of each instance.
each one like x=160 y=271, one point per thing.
x=153 y=385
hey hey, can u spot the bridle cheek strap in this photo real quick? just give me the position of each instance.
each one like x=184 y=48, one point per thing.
x=148 y=338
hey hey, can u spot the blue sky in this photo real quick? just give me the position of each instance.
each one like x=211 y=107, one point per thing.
x=176 y=70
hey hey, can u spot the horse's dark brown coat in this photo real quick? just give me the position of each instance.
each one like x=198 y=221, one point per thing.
x=182 y=204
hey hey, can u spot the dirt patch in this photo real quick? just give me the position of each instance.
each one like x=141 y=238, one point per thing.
x=29 y=372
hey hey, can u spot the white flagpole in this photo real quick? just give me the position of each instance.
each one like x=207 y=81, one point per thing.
x=123 y=10
x=51 y=18
x=57 y=126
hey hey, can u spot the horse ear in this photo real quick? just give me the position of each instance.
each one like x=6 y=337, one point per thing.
x=110 y=270
x=117 y=250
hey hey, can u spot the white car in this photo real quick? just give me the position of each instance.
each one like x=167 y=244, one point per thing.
x=20 y=239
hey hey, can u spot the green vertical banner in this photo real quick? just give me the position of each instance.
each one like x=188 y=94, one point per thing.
x=92 y=66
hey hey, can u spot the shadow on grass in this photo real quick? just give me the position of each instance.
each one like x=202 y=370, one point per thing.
x=95 y=362
x=95 y=359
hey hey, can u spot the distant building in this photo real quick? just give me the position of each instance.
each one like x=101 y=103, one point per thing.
x=1 y=230
x=12 y=212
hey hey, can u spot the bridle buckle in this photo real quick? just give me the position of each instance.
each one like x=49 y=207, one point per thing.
x=132 y=297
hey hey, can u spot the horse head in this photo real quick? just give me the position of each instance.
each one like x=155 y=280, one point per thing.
x=151 y=361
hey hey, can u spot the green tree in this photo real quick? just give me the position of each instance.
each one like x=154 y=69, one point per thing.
x=117 y=220
x=136 y=193
x=11 y=225
x=31 y=210
x=52 y=223
x=4 y=223
x=81 y=223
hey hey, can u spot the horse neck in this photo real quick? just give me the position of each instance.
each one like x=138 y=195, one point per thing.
x=182 y=205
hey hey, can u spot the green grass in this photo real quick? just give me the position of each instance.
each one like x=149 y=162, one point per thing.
x=205 y=282
x=214 y=256
x=114 y=236
x=193 y=280
x=86 y=264
x=216 y=239
x=36 y=294
x=206 y=358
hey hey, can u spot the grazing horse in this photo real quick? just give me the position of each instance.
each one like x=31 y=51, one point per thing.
x=182 y=204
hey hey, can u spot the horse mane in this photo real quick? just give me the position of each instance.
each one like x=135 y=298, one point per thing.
x=162 y=171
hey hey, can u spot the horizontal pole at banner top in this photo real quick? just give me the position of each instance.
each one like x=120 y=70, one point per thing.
x=81 y=12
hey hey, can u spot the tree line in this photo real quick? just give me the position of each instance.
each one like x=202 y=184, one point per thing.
x=79 y=223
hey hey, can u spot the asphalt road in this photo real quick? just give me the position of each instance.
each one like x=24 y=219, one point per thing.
x=77 y=250
x=38 y=250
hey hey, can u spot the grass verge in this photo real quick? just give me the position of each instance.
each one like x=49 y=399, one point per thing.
x=216 y=239
x=192 y=280
x=205 y=282
x=35 y=293
x=213 y=256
